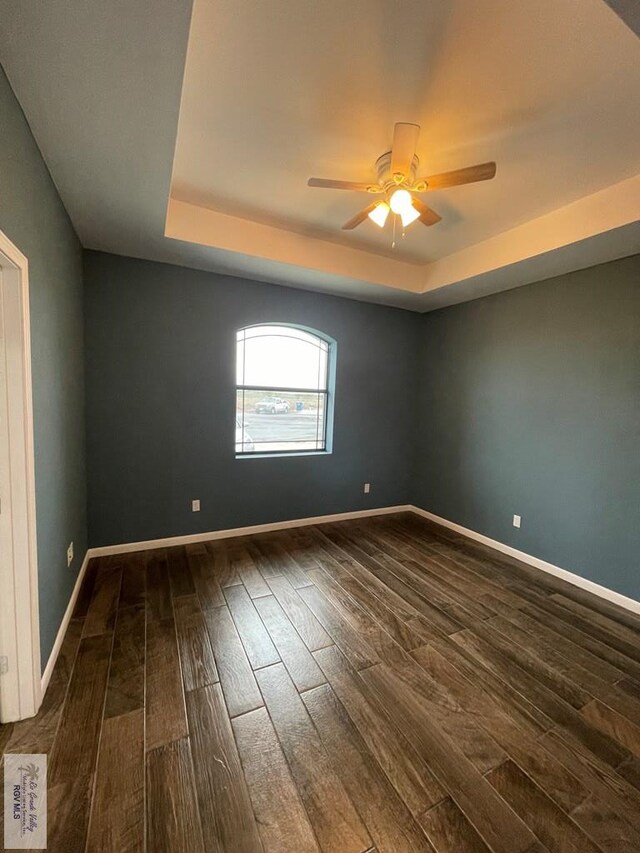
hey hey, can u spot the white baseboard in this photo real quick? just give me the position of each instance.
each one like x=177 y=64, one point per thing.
x=536 y=562
x=127 y=547
x=595 y=588
x=62 y=630
x=107 y=550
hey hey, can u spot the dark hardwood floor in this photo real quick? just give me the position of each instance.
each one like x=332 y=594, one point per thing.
x=381 y=685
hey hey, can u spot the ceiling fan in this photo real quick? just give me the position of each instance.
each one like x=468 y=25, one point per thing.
x=398 y=185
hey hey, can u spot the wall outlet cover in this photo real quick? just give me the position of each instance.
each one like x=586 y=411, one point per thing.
x=367 y=488
x=195 y=506
x=517 y=520
x=70 y=554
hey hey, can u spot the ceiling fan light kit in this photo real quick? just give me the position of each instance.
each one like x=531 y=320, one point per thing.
x=379 y=213
x=400 y=201
x=409 y=215
x=397 y=180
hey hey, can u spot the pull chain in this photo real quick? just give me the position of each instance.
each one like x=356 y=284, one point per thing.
x=402 y=236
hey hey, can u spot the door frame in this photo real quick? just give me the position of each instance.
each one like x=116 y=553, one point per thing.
x=20 y=685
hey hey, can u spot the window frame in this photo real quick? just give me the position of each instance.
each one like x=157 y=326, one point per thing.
x=275 y=390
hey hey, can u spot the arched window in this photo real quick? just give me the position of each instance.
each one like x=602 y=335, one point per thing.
x=282 y=399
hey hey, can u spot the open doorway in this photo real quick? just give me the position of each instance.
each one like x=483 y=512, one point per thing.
x=20 y=677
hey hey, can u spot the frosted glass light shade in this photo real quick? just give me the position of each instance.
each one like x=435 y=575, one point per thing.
x=379 y=213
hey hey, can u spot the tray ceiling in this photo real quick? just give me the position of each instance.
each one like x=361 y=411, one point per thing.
x=191 y=140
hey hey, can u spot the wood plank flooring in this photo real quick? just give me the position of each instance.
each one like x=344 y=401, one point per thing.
x=377 y=686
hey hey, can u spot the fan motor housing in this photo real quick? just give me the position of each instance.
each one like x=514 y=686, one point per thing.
x=383 y=170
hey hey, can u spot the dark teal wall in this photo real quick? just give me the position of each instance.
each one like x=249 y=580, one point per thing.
x=530 y=404
x=526 y=402
x=160 y=365
x=33 y=218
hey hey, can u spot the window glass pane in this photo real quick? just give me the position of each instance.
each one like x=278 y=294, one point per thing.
x=279 y=421
x=281 y=357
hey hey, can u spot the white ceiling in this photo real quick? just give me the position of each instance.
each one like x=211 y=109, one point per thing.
x=279 y=90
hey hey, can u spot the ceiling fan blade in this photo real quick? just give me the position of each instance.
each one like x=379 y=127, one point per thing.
x=403 y=148
x=326 y=183
x=359 y=217
x=481 y=172
x=427 y=215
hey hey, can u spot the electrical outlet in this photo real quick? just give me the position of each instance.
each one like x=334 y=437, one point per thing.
x=367 y=488
x=517 y=520
x=70 y=554
x=195 y=506
x=4 y=665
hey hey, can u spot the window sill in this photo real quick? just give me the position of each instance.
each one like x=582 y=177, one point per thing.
x=283 y=455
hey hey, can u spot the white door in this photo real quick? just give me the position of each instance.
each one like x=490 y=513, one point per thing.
x=20 y=693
